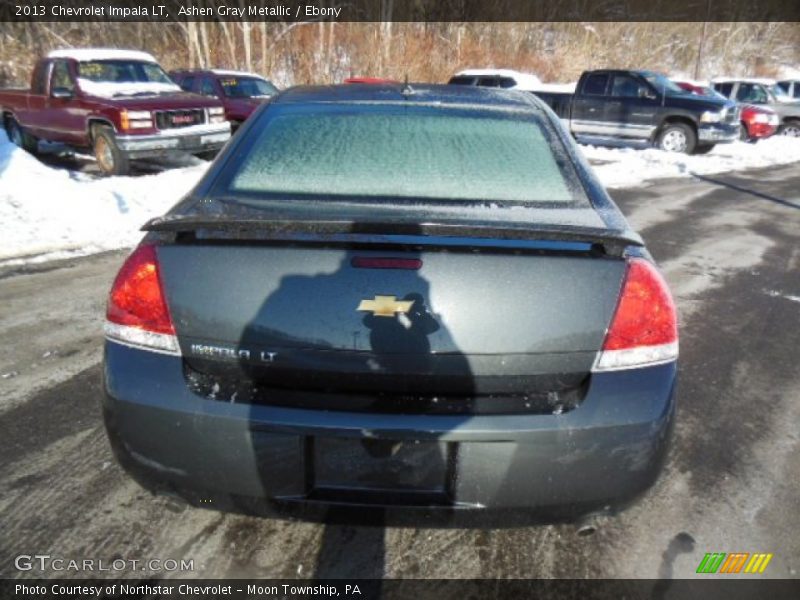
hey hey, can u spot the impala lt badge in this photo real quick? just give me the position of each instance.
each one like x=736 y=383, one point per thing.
x=385 y=306
x=231 y=353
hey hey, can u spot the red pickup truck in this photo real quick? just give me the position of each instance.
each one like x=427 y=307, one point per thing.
x=120 y=104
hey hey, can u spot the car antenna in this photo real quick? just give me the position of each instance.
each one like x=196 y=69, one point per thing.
x=407 y=90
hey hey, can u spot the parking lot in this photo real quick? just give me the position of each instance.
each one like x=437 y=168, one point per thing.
x=728 y=245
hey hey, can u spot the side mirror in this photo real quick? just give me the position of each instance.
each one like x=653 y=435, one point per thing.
x=61 y=93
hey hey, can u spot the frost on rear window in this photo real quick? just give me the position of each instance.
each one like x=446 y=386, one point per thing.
x=404 y=155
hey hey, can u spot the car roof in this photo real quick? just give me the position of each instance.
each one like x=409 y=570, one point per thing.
x=233 y=73
x=761 y=80
x=689 y=81
x=220 y=72
x=372 y=80
x=493 y=73
x=420 y=94
x=521 y=79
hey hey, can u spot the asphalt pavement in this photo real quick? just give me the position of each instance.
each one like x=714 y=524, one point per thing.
x=728 y=245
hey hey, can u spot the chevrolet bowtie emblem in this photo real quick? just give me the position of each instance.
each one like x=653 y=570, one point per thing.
x=385 y=306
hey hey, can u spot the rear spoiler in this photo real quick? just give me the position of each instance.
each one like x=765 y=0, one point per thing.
x=508 y=235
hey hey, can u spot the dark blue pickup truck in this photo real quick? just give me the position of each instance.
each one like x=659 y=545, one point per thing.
x=644 y=106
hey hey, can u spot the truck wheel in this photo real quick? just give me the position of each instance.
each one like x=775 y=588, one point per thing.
x=791 y=129
x=19 y=137
x=110 y=159
x=677 y=137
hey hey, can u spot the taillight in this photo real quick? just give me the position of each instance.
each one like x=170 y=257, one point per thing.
x=137 y=312
x=644 y=330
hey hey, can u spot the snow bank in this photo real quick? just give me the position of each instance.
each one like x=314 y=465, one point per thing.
x=628 y=167
x=49 y=213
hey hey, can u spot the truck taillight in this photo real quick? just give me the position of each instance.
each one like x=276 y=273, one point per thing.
x=644 y=329
x=137 y=313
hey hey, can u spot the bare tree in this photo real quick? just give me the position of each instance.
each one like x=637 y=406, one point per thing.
x=327 y=51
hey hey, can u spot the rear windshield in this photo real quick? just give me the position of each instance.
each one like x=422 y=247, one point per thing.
x=433 y=155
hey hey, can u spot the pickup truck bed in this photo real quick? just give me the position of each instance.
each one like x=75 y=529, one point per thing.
x=560 y=102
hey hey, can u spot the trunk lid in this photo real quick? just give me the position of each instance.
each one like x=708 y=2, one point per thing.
x=468 y=321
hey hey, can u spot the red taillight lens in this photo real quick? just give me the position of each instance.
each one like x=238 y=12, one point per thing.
x=368 y=262
x=646 y=314
x=644 y=329
x=137 y=298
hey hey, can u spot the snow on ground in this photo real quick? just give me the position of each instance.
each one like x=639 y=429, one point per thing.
x=627 y=167
x=49 y=213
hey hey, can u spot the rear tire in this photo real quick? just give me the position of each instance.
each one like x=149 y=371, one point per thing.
x=677 y=137
x=20 y=137
x=790 y=128
x=705 y=149
x=110 y=159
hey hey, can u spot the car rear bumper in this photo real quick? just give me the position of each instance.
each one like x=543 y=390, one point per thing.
x=606 y=451
x=195 y=139
x=718 y=133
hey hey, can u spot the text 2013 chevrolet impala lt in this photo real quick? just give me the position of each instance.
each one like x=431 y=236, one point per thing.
x=388 y=295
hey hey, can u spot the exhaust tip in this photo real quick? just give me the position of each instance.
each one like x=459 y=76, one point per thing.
x=588 y=524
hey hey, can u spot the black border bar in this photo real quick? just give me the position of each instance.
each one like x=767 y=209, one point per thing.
x=730 y=588
x=398 y=10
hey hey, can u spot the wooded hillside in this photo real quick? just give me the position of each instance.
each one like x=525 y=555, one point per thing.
x=295 y=53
